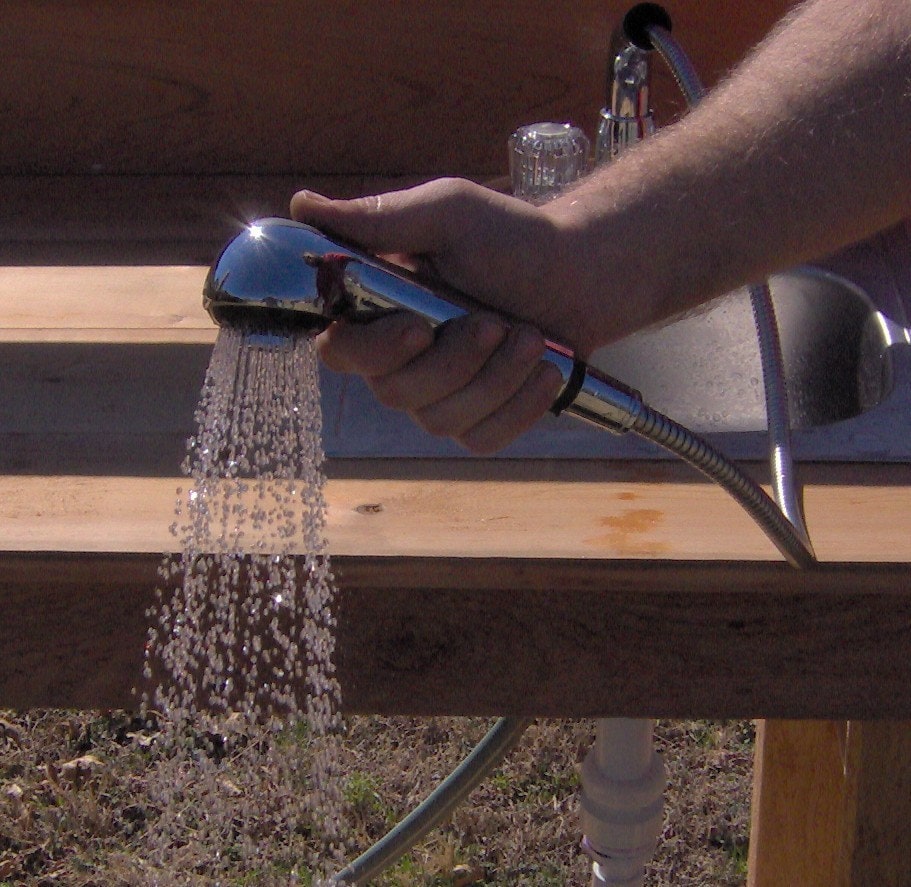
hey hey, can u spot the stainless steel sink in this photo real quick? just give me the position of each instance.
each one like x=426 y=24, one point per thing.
x=82 y=408
x=704 y=370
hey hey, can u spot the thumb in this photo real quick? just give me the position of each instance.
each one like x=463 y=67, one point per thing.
x=423 y=219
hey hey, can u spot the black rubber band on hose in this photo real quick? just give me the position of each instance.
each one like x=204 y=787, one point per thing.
x=572 y=387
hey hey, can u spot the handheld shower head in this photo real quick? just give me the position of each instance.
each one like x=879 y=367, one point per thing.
x=286 y=273
x=263 y=275
x=280 y=273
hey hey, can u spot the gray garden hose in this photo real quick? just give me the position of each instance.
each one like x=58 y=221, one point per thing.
x=501 y=739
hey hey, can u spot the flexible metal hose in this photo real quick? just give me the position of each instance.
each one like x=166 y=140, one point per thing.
x=781 y=456
x=678 y=61
x=699 y=453
x=496 y=744
x=778 y=418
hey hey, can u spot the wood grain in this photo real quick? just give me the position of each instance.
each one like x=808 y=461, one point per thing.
x=472 y=513
x=831 y=804
x=109 y=304
x=153 y=220
x=664 y=639
x=340 y=87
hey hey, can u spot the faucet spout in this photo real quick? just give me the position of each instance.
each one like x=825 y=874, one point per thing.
x=627 y=117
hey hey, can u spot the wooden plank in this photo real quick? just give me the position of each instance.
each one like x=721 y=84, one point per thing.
x=109 y=304
x=555 y=638
x=476 y=511
x=99 y=409
x=801 y=804
x=145 y=220
x=831 y=804
x=218 y=86
x=629 y=639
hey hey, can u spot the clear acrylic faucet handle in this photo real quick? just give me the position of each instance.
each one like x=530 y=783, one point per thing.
x=546 y=157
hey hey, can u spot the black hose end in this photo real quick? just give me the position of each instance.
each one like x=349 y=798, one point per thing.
x=637 y=21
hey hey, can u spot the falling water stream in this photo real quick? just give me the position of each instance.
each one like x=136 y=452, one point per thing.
x=240 y=652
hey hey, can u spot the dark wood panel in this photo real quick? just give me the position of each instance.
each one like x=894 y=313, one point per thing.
x=98 y=409
x=148 y=220
x=320 y=87
x=512 y=636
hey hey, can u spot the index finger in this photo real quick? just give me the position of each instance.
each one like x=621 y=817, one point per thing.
x=374 y=349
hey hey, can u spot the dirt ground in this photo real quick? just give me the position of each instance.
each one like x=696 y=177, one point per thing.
x=76 y=807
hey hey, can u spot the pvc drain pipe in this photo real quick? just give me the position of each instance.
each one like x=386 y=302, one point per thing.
x=622 y=800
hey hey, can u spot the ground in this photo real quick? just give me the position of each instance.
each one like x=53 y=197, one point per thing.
x=76 y=806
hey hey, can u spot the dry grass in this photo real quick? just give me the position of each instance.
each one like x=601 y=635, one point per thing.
x=75 y=807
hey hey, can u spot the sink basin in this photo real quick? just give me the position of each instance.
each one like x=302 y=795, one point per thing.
x=704 y=369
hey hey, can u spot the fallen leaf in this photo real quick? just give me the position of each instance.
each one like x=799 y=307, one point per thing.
x=80 y=769
x=230 y=787
x=10 y=732
x=14 y=793
x=465 y=875
x=143 y=740
x=10 y=866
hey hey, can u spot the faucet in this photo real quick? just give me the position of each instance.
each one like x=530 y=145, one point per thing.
x=627 y=117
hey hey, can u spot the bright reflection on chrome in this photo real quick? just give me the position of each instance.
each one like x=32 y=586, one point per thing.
x=892 y=332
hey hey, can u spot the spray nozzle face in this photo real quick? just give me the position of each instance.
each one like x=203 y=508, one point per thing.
x=270 y=274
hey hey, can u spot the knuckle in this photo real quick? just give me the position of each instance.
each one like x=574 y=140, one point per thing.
x=527 y=344
x=433 y=425
x=450 y=187
x=388 y=391
x=454 y=195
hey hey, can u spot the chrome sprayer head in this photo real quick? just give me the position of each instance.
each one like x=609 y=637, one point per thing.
x=278 y=273
x=283 y=273
x=268 y=274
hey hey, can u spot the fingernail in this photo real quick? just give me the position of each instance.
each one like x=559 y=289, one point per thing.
x=529 y=344
x=549 y=376
x=416 y=337
x=488 y=332
x=312 y=196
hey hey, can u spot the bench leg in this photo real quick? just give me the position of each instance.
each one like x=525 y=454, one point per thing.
x=831 y=804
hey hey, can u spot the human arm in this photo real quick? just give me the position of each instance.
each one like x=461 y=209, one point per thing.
x=803 y=149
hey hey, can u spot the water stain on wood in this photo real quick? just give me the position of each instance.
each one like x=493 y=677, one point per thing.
x=634 y=520
x=628 y=531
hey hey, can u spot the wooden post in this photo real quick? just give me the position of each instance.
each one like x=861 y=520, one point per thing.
x=831 y=804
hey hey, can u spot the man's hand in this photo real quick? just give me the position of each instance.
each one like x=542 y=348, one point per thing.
x=480 y=379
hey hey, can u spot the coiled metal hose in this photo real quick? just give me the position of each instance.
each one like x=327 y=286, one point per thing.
x=781 y=457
